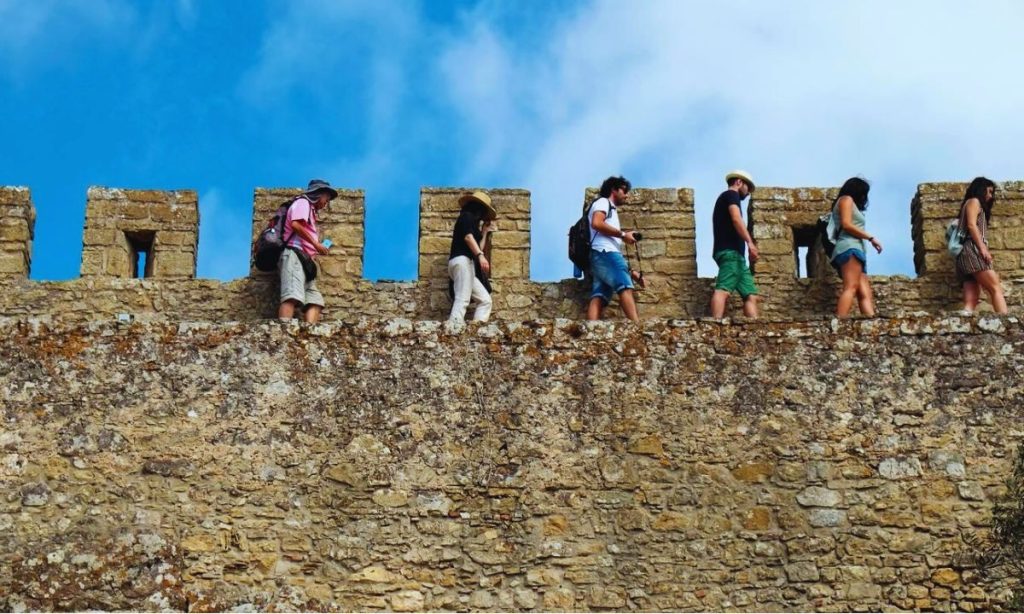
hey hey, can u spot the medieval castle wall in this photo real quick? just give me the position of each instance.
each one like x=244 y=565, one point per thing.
x=121 y=223
x=200 y=455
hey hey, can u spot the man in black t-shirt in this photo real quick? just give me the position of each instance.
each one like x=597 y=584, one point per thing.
x=731 y=239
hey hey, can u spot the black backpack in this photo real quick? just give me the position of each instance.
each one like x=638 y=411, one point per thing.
x=271 y=242
x=580 y=237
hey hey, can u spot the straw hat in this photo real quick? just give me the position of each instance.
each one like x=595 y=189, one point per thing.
x=745 y=176
x=483 y=199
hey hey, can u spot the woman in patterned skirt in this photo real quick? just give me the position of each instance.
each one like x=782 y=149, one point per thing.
x=974 y=264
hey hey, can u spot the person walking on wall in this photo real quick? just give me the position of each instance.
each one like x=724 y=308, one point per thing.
x=849 y=257
x=468 y=267
x=608 y=266
x=302 y=240
x=974 y=264
x=731 y=240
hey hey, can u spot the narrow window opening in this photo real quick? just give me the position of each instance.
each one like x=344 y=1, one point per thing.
x=807 y=253
x=140 y=244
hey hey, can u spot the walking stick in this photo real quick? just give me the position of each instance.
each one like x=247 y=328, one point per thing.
x=639 y=261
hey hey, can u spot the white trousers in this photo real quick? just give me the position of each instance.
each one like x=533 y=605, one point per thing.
x=467 y=286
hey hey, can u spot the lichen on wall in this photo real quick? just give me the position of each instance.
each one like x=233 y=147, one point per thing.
x=545 y=464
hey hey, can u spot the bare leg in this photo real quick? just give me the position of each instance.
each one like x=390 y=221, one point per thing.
x=851 y=272
x=989 y=281
x=972 y=294
x=286 y=310
x=313 y=313
x=718 y=300
x=750 y=306
x=628 y=305
x=595 y=308
x=865 y=297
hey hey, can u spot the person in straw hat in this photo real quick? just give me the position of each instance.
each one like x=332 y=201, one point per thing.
x=731 y=240
x=468 y=266
x=302 y=240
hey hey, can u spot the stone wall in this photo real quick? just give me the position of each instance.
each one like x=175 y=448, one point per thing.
x=17 y=225
x=548 y=465
x=126 y=228
x=342 y=222
x=118 y=221
x=667 y=253
x=936 y=204
x=508 y=251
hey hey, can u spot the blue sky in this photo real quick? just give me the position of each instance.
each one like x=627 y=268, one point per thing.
x=389 y=96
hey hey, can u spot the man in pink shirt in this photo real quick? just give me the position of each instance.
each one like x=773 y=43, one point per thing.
x=302 y=237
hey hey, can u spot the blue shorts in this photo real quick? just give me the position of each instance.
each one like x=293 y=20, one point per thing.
x=611 y=274
x=840 y=259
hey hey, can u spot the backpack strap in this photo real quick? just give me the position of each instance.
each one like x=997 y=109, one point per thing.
x=611 y=208
x=287 y=226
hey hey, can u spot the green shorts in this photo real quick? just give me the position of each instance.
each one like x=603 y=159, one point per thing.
x=733 y=274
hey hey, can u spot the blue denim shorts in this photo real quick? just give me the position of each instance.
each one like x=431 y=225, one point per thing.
x=611 y=274
x=840 y=259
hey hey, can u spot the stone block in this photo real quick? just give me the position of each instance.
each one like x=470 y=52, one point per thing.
x=172 y=237
x=92 y=262
x=817 y=496
x=117 y=262
x=1012 y=238
x=802 y=572
x=758 y=519
x=776 y=247
x=99 y=236
x=680 y=249
x=509 y=264
x=15 y=230
x=510 y=240
x=13 y=264
x=408 y=601
x=167 y=264
x=753 y=473
x=148 y=196
x=675 y=266
x=435 y=245
x=947 y=577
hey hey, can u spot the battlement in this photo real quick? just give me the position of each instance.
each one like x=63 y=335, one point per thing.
x=139 y=251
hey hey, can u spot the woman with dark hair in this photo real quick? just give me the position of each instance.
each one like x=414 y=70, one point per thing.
x=468 y=268
x=849 y=257
x=974 y=264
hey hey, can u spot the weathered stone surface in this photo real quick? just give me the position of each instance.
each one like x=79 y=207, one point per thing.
x=352 y=466
x=816 y=496
x=898 y=468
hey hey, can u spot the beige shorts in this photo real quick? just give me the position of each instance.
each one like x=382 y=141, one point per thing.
x=293 y=281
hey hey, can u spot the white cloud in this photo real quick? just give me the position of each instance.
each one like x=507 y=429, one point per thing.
x=46 y=31
x=371 y=53
x=322 y=46
x=798 y=93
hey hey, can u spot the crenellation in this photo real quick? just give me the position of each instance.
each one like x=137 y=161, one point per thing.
x=668 y=250
x=343 y=222
x=124 y=228
x=17 y=229
x=508 y=252
x=161 y=229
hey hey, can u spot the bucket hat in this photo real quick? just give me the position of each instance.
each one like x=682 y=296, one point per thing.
x=737 y=174
x=317 y=185
x=483 y=199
